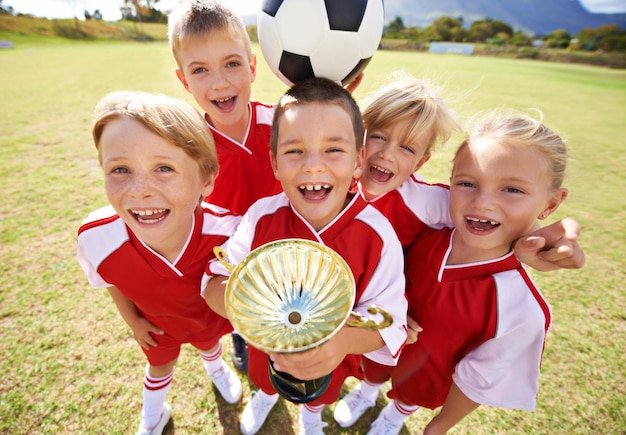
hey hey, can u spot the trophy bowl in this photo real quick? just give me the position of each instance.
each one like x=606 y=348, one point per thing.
x=292 y=295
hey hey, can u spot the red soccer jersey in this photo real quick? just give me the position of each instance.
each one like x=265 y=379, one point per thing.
x=413 y=206
x=365 y=239
x=484 y=326
x=245 y=173
x=166 y=294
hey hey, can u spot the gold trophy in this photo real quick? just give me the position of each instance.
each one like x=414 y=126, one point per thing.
x=289 y=296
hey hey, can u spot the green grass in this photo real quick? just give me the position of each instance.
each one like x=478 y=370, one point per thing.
x=69 y=364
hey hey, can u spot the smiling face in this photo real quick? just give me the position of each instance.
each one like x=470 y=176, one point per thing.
x=497 y=191
x=316 y=159
x=218 y=71
x=153 y=185
x=389 y=159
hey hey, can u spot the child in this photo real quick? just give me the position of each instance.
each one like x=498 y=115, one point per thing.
x=506 y=175
x=151 y=247
x=405 y=120
x=216 y=65
x=316 y=152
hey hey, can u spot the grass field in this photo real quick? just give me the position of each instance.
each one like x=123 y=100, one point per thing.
x=69 y=364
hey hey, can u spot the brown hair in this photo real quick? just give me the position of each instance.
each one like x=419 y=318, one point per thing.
x=191 y=18
x=318 y=90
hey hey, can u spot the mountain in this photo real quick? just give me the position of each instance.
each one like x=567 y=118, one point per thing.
x=530 y=16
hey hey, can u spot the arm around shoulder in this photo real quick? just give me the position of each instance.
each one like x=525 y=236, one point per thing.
x=552 y=247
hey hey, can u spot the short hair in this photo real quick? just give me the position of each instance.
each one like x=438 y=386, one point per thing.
x=519 y=129
x=318 y=90
x=419 y=101
x=170 y=118
x=192 y=18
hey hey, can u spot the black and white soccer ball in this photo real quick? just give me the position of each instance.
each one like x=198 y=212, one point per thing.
x=334 y=39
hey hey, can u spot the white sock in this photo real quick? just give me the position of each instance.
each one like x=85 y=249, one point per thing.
x=311 y=414
x=370 y=391
x=212 y=361
x=397 y=412
x=154 y=392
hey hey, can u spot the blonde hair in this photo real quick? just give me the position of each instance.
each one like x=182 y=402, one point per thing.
x=172 y=119
x=192 y=18
x=407 y=98
x=520 y=129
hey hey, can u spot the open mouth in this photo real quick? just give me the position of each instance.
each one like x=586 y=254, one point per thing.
x=315 y=191
x=379 y=174
x=481 y=224
x=151 y=216
x=225 y=103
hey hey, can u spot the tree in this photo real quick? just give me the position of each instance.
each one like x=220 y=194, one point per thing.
x=144 y=10
x=520 y=39
x=558 y=39
x=5 y=9
x=395 y=26
x=482 y=30
x=446 y=29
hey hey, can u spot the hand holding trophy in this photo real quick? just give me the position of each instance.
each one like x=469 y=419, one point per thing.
x=290 y=296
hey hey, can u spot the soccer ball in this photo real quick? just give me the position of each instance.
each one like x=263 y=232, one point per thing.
x=334 y=39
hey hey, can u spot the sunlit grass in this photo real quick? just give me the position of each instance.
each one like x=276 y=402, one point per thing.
x=69 y=364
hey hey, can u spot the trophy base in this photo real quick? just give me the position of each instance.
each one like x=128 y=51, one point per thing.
x=296 y=390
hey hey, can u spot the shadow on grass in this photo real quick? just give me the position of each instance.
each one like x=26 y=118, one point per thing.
x=363 y=424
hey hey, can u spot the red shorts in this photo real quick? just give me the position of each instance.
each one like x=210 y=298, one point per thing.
x=168 y=347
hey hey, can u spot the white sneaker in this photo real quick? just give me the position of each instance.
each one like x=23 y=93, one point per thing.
x=256 y=411
x=227 y=383
x=158 y=429
x=316 y=428
x=384 y=427
x=351 y=407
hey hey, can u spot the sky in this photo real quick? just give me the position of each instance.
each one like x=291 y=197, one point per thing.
x=110 y=9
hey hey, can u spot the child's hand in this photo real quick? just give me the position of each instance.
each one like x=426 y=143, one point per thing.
x=552 y=247
x=413 y=329
x=311 y=364
x=351 y=87
x=141 y=332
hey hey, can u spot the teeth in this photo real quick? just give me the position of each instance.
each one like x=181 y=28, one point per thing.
x=147 y=212
x=484 y=221
x=315 y=187
x=383 y=170
x=223 y=100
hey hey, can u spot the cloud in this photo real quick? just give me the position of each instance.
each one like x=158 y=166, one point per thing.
x=604 y=6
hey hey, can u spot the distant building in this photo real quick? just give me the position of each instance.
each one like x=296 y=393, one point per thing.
x=451 y=47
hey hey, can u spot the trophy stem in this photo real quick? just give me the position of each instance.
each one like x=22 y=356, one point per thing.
x=294 y=389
